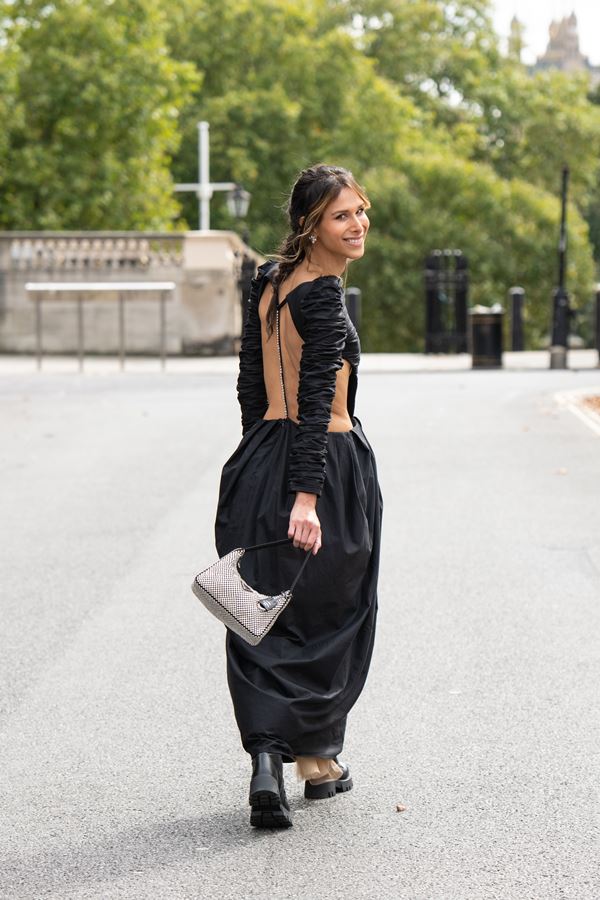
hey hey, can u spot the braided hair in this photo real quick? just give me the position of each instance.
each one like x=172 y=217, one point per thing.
x=313 y=191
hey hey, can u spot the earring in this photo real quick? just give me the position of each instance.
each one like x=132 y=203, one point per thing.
x=313 y=238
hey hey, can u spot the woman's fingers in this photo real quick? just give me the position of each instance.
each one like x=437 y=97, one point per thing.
x=305 y=528
x=305 y=535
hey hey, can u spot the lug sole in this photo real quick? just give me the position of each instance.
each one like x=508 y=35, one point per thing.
x=268 y=811
x=327 y=789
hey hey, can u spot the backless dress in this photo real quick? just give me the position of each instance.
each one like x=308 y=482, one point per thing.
x=292 y=692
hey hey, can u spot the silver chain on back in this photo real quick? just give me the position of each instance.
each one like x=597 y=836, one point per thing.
x=280 y=358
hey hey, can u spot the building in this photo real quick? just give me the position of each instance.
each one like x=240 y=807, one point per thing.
x=563 y=50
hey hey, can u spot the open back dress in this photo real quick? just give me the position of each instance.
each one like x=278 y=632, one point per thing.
x=292 y=692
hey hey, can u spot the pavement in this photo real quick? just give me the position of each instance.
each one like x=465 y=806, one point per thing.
x=217 y=365
x=122 y=775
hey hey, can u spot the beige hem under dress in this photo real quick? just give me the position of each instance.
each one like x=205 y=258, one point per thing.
x=317 y=770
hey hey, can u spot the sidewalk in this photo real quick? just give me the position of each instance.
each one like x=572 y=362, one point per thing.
x=370 y=363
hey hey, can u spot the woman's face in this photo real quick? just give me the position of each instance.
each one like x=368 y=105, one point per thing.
x=344 y=226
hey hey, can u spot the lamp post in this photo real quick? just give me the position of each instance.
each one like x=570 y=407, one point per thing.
x=238 y=201
x=204 y=187
x=560 y=306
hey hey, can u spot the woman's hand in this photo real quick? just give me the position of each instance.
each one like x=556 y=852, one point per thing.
x=305 y=528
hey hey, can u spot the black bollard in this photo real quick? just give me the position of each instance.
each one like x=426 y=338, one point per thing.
x=517 y=299
x=560 y=329
x=247 y=270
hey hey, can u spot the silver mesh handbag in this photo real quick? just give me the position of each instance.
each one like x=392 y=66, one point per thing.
x=240 y=607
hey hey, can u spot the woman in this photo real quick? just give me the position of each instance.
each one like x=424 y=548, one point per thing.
x=303 y=468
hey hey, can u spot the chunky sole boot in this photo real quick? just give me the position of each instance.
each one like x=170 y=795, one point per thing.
x=329 y=788
x=268 y=800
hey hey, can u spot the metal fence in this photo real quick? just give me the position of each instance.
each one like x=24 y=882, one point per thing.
x=52 y=288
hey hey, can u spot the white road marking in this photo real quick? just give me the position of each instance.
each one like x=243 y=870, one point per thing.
x=572 y=400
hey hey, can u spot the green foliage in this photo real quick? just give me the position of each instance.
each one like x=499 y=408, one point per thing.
x=525 y=125
x=531 y=125
x=431 y=48
x=280 y=92
x=458 y=145
x=507 y=230
x=98 y=100
x=10 y=109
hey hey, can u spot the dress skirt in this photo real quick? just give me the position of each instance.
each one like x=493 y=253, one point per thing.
x=292 y=692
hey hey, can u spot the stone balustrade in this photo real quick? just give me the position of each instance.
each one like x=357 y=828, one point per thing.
x=63 y=252
x=203 y=316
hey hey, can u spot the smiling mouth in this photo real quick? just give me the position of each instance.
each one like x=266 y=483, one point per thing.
x=355 y=241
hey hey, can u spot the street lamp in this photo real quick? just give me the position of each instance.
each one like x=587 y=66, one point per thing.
x=238 y=201
x=237 y=198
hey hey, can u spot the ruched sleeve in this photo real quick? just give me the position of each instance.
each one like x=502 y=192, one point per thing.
x=324 y=328
x=251 y=390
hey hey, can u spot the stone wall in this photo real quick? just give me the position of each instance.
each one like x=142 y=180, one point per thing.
x=203 y=312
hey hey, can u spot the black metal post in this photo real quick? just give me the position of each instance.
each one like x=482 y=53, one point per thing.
x=446 y=298
x=461 y=294
x=432 y=315
x=38 y=331
x=163 y=328
x=353 y=305
x=121 y=330
x=247 y=270
x=517 y=299
x=80 y=338
x=560 y=318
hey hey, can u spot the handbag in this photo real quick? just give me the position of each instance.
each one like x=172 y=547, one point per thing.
x=241 y=608
x=221 y=588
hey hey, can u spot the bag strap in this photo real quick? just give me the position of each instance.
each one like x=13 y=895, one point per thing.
x=278 y=543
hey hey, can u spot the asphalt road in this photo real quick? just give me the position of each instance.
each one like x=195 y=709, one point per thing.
x=121 y=774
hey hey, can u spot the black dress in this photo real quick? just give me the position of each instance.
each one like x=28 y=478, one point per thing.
x=292 y=692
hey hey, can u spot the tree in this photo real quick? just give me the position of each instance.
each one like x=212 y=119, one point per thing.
x=10 y=109
x=529 y=125
x=281 y=90
x=459 y=146
x=98 y=99
x=432 y=49
x=506 y=228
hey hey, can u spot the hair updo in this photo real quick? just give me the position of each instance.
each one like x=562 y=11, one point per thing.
x=313 y=191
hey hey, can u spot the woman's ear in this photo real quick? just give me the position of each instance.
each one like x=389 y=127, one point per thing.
x=301 y=221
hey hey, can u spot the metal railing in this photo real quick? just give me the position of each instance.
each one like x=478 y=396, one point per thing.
x=38 y=288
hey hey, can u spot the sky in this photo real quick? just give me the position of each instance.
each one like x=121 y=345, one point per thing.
x=536 y=15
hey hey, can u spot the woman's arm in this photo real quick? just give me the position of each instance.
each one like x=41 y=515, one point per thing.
x=324 y=333
x=251 y=391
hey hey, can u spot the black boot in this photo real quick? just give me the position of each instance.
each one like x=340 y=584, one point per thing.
x=329 y=788
x=270 y=808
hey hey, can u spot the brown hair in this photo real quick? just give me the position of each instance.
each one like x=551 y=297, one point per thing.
x=313 y=191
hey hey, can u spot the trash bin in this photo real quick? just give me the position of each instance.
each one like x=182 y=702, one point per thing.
x=485 y=333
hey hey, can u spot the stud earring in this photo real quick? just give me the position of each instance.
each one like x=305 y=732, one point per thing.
x=313 y=238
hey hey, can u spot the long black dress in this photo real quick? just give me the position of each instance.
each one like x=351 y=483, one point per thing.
x=292 y=692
